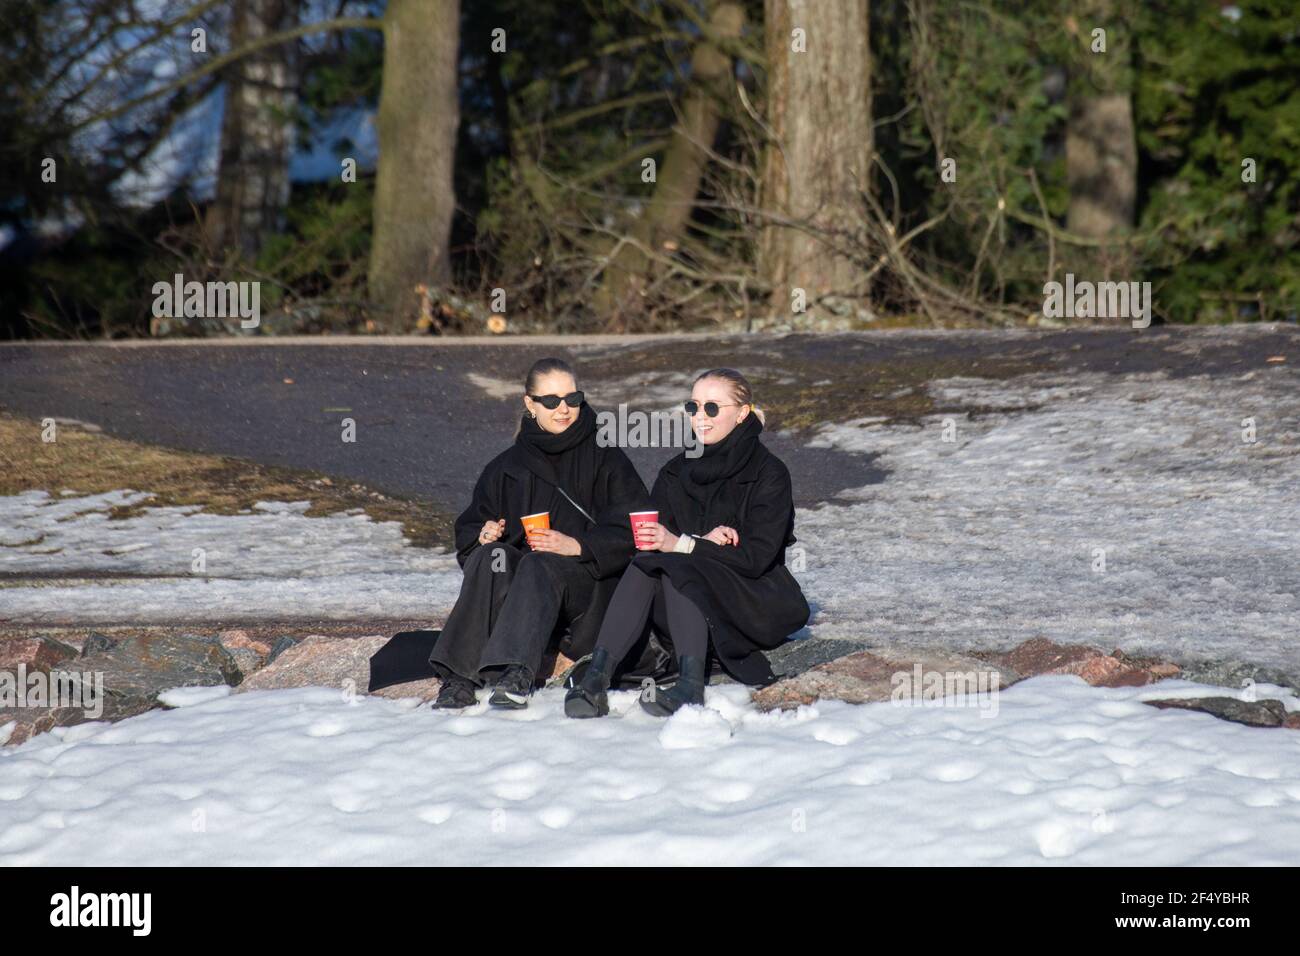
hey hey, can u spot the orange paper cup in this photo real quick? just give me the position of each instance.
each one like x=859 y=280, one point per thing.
x=639 y=518
x=538 y=522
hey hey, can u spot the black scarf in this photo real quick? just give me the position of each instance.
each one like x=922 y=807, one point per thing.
x=705 y=478
x=566 y=460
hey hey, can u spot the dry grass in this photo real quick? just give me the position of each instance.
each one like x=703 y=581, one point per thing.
x=91 y=463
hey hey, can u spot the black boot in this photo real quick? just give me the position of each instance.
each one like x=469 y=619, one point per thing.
x=589 y=697
x=456 y=692
x=688 y=689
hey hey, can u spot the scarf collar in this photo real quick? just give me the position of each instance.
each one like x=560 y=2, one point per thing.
x=702 y=477
x=565 y=460
x=533 y=438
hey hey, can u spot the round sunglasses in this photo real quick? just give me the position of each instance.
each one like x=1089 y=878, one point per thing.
x=710 y=408
x=552 y=402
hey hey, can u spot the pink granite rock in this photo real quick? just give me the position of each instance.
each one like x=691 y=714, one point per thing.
x=1039 y=656
x=424 y=690
x=27 y=722
x=249 y=653
x=38 y=653
x=319 y=661
x=883 y=675
x=1107 y=672
x=240 y=639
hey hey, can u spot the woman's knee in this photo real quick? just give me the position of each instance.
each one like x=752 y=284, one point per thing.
x=539 y=563
x=636 y=581
x=491 y=553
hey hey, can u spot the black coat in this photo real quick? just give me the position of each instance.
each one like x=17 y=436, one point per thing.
x=508 y=488
x=750 y=598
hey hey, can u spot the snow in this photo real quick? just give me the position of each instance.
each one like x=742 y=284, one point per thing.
x=981 y=541
x=1061 y=773
x=189 y=696
x=74 y=564
x=991 y=539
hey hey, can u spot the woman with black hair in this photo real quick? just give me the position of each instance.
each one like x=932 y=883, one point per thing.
x=711 y=574
x=522 y=589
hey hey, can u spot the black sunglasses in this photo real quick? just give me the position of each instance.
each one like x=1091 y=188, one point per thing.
x=710 y=408
x=552 y=402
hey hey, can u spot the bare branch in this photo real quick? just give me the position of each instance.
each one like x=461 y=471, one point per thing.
x=253 y=46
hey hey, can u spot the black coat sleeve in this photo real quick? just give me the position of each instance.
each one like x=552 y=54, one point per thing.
x=659 y=502
x=608 y=546
x=485 y=506
x=766 y=523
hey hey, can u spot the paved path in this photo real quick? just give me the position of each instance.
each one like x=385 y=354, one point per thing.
x=431 y=411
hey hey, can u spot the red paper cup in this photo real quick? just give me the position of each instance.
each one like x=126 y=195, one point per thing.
x=639 y=518
x=538 y=522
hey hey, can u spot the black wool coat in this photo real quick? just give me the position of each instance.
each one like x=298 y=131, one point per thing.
x=751 y=600
x=508 y=488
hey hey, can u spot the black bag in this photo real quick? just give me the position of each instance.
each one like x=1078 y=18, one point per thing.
x=655 y=660
x=403 y=659
x=652 y=657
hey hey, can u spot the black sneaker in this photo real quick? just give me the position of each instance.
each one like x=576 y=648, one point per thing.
x=456 y=692
x=514 y=687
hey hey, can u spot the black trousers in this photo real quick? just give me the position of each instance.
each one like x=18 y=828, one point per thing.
x=640 y=596
x=511 y=604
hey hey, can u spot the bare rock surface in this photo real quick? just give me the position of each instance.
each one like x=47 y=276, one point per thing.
x=887 y=674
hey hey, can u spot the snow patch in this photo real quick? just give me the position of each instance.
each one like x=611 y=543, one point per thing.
x=192 y=696
x=999 y=535
x=75 y=564
x=1064 y=773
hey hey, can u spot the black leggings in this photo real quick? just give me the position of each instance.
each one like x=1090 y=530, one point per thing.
x=675 y=616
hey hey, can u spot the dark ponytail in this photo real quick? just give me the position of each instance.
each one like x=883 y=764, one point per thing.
x=545 y=366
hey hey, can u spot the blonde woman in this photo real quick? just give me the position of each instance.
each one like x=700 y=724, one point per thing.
x=711 y=572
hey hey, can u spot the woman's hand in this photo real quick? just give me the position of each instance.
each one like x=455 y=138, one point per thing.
x=492 y=531
x=652 y=536
x=556 y=542
x=723 y=535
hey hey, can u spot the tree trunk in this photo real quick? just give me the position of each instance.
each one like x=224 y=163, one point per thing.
x=256 y=130
x=414 y=188
x=819 y=163
x=677 y=180
x=1101 y=143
